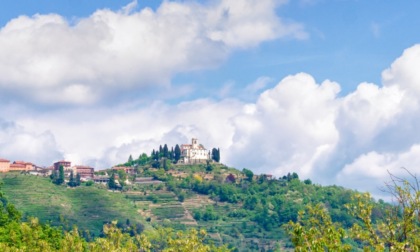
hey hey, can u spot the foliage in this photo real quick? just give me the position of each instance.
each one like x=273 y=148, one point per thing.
x=16 y=235
x=249 y=174
x=177 y=154
x=73 y=182
x=314 y=231
x=398 y=231
x=58 y=178
x=215 y=154
x=112 y=184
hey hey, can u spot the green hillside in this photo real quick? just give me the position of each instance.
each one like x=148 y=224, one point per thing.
x=237 y=208
x=87 y=207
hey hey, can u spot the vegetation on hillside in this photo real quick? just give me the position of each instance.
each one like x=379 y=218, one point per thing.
x=244 y=211
x=398 y=230
x=31 y=235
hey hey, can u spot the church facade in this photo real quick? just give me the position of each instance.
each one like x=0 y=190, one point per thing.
x=194 y=153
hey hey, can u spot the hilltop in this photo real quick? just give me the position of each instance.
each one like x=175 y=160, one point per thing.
x=236 y=207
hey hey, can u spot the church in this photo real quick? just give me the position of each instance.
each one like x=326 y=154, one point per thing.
x=194 y=153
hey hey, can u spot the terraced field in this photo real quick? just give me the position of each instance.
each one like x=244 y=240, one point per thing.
x=87 y=207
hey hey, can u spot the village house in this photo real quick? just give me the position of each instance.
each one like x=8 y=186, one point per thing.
x=66 y=165
x=4 y=165
x=126 y=169
x=21 y=166
x=85 y=172
x=194 y=153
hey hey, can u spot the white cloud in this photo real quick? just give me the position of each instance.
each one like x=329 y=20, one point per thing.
x=290 y=129
x=298 y=125
x=18 y=143
x=45 y=58
x=371 y=170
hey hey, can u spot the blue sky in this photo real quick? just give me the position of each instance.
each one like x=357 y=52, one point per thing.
x=323 y=88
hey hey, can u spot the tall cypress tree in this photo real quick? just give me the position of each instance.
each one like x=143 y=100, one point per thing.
x=160 y=150
x=165 y=151
x=177 y=154
x=72 y=181
x=60 y=179
x=78 y=182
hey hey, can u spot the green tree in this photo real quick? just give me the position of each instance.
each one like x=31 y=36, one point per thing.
x=398 y=231
x=72 y=180
x=78 y=182
x=130 y=160
x=144 y=159
x=177 y=154
x=111 y=182
x=314 y=231
x=60 y=178
x=248 y=173
x=215 y=154
x=165 y=151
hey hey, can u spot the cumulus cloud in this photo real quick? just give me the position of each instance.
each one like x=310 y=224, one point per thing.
x=46 y=58
x=290 y=128
x=298 y=125
x=18 y=143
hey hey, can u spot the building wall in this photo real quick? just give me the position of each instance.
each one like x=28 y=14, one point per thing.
x=84 y=171
x=4 y=165
x=17 y=167
x=66 y=165
x=194 y=152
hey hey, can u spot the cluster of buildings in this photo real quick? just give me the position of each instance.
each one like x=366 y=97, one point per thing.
x=85 y=172
x=190 y=154
x=6 y=166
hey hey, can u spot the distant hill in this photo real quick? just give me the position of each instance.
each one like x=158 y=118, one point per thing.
x=236 y=207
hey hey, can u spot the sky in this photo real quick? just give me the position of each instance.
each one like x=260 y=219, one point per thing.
x=327 y=89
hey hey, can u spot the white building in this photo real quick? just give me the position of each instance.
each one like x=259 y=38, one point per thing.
x=194 y=153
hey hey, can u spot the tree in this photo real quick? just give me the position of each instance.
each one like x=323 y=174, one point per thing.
x=401 y=228
x=111 y=183
x=314 y=231
x=130 y=160
x=248 y=173
x=160 y=151
x=165 y=151
x=60 y=179
x=209 y=167
x=215 y=154
x=72 y=180
x=398 y=231
x=78 y=182
x=177 y=154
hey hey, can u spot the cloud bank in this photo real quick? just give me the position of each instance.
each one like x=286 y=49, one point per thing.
x=50 y=60
x=299 y=125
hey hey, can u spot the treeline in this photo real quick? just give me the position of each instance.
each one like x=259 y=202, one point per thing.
x=164 y=156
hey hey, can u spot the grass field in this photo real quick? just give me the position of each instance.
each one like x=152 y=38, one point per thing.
x=87 y=207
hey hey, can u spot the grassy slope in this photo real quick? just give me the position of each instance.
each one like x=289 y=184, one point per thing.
x=87 y=207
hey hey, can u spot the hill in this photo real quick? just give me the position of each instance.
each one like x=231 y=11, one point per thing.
x=88 y=207
x=236 y=207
